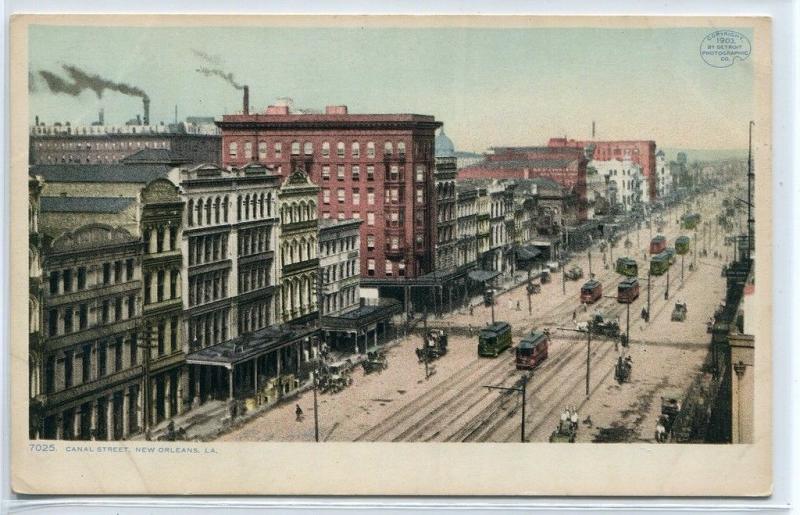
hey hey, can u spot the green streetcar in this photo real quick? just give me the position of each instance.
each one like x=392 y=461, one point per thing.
x=659 y=264
x=494 y=339
x=627 y=267
x=670 y=252
x=690 y=220
x=682 y=245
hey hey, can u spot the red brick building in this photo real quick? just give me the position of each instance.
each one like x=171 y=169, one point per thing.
x=642 y=152
x=565 y=165
x=376 y=167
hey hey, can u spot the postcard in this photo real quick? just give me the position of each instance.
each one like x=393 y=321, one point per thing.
x=401 y=255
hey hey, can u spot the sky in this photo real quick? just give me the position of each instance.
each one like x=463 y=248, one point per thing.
x=490 y=87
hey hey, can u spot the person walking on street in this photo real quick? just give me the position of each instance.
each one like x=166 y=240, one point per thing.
x=574 y=315
x=298 y=411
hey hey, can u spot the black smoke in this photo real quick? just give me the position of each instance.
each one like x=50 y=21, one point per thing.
x=228 y=77
x=81 y=81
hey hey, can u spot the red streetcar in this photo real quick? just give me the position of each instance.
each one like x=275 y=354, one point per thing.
x=628 y=290
x=658 y=245
x=532 y=350
x=591 y=291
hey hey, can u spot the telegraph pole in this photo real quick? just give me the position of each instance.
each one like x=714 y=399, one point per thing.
x=750 y=176
x=648 y=296
x=666 y=292
x=590 y=263
x=520 y=389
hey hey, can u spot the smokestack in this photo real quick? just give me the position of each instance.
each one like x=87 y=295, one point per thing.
x=101 y=117
x=592 y=129
x=37 y=120
x=246 y=100
x=146 y=102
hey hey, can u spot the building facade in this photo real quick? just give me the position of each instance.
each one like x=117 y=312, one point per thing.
x=299 y=244
x=377 y=168
x=445 y=179
x=624 y=182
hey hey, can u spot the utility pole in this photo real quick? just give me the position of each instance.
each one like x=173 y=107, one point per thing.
x=682 y=256
x=529 y=289
x=146 y=345
x=520 y=389
x=320 y=280
x=750 y=176
x=648 y=296
x=590 y=263
x=563 y=280
x=666 y=292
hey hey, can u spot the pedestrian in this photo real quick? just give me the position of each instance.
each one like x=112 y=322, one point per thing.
x=518 y=308
x=470 y=310
x=565 y=415
x=574 y=315
x=298 y=411
x=574 y=419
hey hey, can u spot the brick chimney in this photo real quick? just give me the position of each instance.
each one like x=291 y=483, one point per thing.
x=246 y=100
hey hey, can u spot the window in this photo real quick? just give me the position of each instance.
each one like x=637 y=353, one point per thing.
x=420 y=195
x=370 y=266
x=308 y=148
x=420 y=173
x=86 y=364
x=395 y=242
x=340 y=149
x=388 y=267
x=394 y=173
x=277 y=148
x=295 y=148
x=356 y=216
x=401 y=148
x=131 y=306
x=68 y=363
x=401 y=268
x=106 y=273
x=387 y=148
x=370 y=241
x=340 y=195
x=326 y=172
x=102 y=356
x=262 y=149
x=173 y=334
x=370 y=218
x=233 y=149
x=370 y=172
x=355 y=150
x=326 y=196
x=118 y=354
x=67 y=280
x=370 y=197
x=118 y=308
x=105 y=311
x=129 y=269
x=67 y=319
x=326 y=215
x=54 y=277
x=340 y=216
x=326 y=149
x=356 y=197
x=248 y=150
x=52 y=323
x=370 y=149
x=340 y=172
x=82 y=278
x=117 y=271
x=83 y=316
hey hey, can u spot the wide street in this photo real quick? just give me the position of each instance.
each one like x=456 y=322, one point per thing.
x=400 y=404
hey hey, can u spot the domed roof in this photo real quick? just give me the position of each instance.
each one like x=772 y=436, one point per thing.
x=444 y=145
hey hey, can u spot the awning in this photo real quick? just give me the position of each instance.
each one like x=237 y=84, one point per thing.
x=528 y=252
x=363 y=316
x=483 y=275
x=248 y=346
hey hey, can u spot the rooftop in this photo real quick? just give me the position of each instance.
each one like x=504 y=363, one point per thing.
x=156 y=156
x=85 y=204
x=117 y=172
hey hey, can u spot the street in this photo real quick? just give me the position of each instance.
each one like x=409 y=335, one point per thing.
x=400 y=404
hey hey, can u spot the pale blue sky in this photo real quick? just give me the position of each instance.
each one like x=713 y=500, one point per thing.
x=488 y=86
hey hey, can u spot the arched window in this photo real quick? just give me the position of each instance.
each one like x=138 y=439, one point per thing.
x=269 y=204
x=308 y=148
x=370 y=149
x=199 y=211
x=238 y=208
x=225 y=209
x=216 y=209
x=253 y=206
x=246 y=207
x=233 y=149
x=248 y=150
x=355 y=149
x=303 y=211
x=262 y=149
x=401 y=148
x=208 y=211
x=295 y=148
x=190 y=213
x=326 y=149
x=312 y=210
x=261 y=205
x=340 y=149
x=387 y=148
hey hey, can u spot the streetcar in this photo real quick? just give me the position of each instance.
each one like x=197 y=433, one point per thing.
x=627 y=266
x=658 y=244
x=591 y=291
x=682 y=245
x=690 y=220
x=628 y=290
x=659 y=264
x=670 y=252
x=494 y=339
x=532 y=350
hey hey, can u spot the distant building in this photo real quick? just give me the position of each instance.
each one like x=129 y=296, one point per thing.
x=664 y=180
x=445 y=178
x=108 y=144
x=624 y=181
x=641 y=152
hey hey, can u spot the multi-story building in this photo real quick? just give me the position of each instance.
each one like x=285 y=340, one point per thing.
x=641 y=152
x=563 y=165
x=91 y=383
x=624 y=182
x=229 y=241
x=445 y=178
x=664 y=186
x=299 y=244
x=376 y=167
x=467 y=223
x=107 y=144
x=36 y=340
